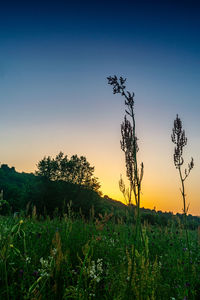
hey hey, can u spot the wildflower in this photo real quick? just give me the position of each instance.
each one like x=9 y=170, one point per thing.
x=21 y=222
x=100 y=265
x=95 y=270
x=44 y=273
x=44 y=262
x=92 y=295
x=28 y=259
x=112 y=242
x=54 y=251
x=45 y=266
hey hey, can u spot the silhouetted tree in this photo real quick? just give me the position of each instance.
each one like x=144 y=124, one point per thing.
x=75 y=170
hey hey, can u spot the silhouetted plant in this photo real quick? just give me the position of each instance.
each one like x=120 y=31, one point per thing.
x=130 y=148
x=179 y=139
x=125 y=191
x=128 y=142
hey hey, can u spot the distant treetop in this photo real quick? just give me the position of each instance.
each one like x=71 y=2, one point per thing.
x=75 y=170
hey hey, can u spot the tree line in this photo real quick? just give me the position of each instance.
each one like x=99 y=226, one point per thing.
x=21 y=192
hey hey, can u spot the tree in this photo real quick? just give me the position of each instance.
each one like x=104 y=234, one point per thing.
x=75 y=170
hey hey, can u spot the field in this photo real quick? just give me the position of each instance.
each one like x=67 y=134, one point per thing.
x=76 y=259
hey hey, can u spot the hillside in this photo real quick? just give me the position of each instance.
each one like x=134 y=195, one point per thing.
x=23 y=191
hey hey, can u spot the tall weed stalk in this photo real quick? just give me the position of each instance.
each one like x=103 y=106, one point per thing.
x=130 y=148
x=179 y=139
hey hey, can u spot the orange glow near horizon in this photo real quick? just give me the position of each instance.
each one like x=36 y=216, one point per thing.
x=160 y=190
x=160 y=185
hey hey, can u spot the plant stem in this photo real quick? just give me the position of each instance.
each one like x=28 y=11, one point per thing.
x=184 y=211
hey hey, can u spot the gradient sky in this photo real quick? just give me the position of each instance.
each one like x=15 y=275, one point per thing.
x=54 y=60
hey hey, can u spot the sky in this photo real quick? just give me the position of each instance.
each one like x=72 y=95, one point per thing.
x=54 y=60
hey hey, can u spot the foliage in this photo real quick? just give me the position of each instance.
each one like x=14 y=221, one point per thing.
x=15 y=187
x=75 y=170
x=4 y=205
x=69 y=258
x=23 y=191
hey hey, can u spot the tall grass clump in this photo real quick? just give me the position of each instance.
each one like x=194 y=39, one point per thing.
x=71 y=258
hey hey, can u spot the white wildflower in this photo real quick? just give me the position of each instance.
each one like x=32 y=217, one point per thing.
x=54 y=251
x=95 y=270
x=28 y=259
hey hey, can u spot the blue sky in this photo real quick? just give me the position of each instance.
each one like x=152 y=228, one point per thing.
x=54 y=60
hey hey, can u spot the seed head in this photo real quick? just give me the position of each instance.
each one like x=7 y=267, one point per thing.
x=179 y=139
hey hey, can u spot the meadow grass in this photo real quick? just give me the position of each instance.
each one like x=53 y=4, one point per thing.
x=70 y=258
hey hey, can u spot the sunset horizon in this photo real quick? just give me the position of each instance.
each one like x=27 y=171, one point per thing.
x=55 y=60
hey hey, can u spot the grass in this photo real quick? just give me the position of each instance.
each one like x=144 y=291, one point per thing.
x=74 y=259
